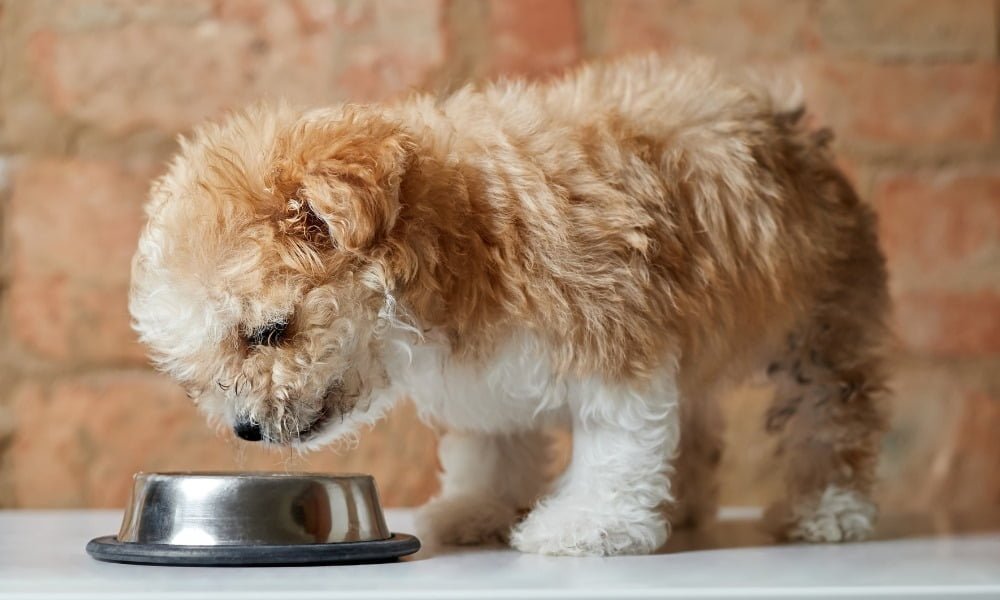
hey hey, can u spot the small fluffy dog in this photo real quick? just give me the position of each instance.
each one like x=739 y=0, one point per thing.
x=608 y=250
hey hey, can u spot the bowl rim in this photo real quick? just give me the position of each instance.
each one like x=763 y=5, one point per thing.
x=251 y=475
x=109 y=548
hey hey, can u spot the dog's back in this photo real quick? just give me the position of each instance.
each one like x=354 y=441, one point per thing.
x=680 y=208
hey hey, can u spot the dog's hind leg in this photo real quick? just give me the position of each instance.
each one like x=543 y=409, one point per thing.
x=830 y=381
x=487 y=482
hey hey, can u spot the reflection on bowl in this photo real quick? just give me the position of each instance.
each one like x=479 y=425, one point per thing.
x=218 y=509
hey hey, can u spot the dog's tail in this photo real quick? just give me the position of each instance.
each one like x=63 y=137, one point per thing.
x=788 y=108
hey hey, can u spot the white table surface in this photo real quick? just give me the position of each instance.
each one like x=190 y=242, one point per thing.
x=42 y=556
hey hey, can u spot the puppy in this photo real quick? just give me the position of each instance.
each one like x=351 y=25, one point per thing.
x=609 y=251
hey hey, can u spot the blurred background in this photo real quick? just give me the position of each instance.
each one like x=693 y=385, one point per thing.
x=93 y=93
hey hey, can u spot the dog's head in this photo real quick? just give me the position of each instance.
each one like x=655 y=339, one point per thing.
x=258 y=283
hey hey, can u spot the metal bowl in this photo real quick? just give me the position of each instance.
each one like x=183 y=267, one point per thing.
x=230 y=519
x=218 y=509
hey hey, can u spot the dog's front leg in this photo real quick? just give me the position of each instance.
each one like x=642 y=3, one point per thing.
x=487 y=481
x=611 y=498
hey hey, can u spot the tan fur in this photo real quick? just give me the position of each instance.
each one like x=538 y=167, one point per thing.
x=622 y=215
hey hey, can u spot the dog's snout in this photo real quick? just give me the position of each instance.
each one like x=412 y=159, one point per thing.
x=248 y=430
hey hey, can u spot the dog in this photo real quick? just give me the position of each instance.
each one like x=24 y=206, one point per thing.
x=608 y=250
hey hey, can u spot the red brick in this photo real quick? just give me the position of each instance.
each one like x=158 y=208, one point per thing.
x=720 y=27
x=52 y=476
x=41 y=316
x=249 y=11
x=76 y=216
x=311 y=15
x=943 y=323
x=163 y=77
x=63 y=319
x=941 y=229
x=78 y=441
x=909 y=28
x=967 y=474
x=396 y=48
x=167 y=76
x=899 y=106
x=73 y=228
x=80 y=15
x=938 y=454
x=534 y=37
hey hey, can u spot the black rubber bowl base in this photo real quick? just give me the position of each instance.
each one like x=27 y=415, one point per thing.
x=108 y=548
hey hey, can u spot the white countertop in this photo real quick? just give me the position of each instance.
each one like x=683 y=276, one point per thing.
x=42 y=556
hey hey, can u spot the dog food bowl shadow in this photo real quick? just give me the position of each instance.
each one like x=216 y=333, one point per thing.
x=241 y=519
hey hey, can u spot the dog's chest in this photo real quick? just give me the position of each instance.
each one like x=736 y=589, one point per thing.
x=514 y=390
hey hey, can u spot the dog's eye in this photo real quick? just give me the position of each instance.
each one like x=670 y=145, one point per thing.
x=268 y=335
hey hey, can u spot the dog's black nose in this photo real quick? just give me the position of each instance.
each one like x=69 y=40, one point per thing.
x=248 y=430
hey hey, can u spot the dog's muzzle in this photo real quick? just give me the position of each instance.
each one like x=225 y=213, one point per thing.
x=249 y=431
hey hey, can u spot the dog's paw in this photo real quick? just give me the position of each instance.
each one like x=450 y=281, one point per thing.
x=465 y=520
x=839 y=515
x=555 y=528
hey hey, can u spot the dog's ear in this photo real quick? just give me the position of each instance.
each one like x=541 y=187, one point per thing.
x=344 y=174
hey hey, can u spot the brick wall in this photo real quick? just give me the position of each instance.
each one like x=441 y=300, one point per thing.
x=93 y=93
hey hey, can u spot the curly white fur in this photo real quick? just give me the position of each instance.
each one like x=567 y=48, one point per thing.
x=623 y=440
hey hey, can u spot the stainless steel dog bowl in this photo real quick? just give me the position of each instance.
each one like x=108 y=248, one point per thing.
x=252 y=518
